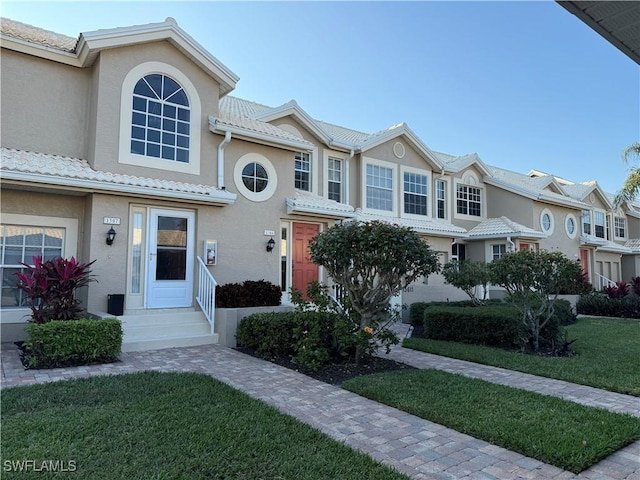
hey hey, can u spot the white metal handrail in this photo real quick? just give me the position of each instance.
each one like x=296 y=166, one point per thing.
x=207 y=293
x=604 y=282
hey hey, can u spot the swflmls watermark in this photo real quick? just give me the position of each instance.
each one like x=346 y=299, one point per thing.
x=39 y=466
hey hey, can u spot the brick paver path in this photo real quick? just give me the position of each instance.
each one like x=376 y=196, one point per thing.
x=419 y=448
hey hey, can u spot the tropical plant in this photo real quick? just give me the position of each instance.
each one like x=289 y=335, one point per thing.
x=467 y=275
x=533 y=280
x=631 y=186
x=373 y=261
x=619 y=290
x=51 y=285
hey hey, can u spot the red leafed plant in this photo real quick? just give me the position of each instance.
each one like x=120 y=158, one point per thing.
x=620 y=290
x=50 y=286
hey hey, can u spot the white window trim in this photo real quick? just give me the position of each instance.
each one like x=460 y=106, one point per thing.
x=126 y=96
x=552 y=227
x=427 y=173
x=272 y=184
x=394 y=194
x=577 y=225
x=490 y=250
x=344 y=194
x=70 y=249
x=624 y=219
x=469 y=179
x=593 y=224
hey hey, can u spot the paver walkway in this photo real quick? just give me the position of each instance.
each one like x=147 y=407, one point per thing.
x=419 y=448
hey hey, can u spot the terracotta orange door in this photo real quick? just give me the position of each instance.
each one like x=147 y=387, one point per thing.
x=304 y=270
x=584 y=261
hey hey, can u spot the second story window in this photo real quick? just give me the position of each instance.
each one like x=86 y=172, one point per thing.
x=161 y=119
x=334 y=179
x=415 y=193
x=468 y=200
x=620 y=225
x=599 y=223
x=303 y=171
x=441 y=199
x=586 y=222
x=379 y=188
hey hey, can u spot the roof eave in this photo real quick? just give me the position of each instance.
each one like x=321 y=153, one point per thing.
x=221 y=198
x=91 y=43
x=256 y=137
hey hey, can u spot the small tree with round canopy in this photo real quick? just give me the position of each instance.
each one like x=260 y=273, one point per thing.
x=373 y=261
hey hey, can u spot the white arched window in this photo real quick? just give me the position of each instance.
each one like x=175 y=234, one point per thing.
x=160 y=119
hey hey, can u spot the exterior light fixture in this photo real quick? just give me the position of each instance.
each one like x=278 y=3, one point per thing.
x=111 y=235
x=270 y=245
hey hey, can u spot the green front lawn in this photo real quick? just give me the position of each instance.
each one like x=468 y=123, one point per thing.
x=555 y=431
x=608 y=355
x=167 y=426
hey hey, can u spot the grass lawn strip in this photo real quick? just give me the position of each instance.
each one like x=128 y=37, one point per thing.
x=555 y=431
x=168 y=426
x=608 y=355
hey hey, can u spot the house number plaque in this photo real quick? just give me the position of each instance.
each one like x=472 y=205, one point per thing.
x=111 y=221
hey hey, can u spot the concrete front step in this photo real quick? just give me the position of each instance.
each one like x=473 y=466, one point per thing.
x=150 y=331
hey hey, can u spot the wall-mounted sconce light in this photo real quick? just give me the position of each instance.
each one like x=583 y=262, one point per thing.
x=111 y=235
x=271 y=244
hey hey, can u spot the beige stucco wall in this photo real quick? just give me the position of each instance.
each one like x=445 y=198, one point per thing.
x=45 y=105
x=501 y=202
x=114 y=65
x=558 y=240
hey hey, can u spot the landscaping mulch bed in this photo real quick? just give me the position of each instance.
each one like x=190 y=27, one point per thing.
x=336 y=373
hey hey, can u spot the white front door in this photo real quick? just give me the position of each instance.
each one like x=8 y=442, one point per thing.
x=170 y=259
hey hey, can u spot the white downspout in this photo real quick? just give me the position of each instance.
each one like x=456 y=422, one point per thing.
x=513 y=245
x=223 y=144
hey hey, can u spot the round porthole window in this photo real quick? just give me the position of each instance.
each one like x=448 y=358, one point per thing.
x=255 y=177
x=546 y=221
x=571 y=226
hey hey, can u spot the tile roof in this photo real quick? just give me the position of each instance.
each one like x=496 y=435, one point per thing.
x=250 y=125
x=502 y=227
x=32 y=34
x=633 y=245
x=428 y=226
x=307 y=202
x=61 y=170
x=614 y=247
x=535 y=186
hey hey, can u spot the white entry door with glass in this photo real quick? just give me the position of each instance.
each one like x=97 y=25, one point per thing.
x=170 y=259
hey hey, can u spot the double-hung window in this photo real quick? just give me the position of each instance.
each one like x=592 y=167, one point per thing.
x=468 y=200
x=586 y=222
x=379 y=188
x=498 y=251
x=620 y=225
x=441 y=199
x=19 y=245
x=599 y=223
x=303 y=171
x=161 y=119
x=335 y=175
x=415 y=193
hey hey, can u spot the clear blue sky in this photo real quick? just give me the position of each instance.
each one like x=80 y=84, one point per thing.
x=523 y=84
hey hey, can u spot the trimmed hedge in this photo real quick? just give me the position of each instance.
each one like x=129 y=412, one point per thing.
x=251 y=293
x=416 y=310
x=601 y=305
x=63 y=343
x=497 y=324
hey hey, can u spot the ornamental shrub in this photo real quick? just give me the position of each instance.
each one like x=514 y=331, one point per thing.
x=251 y=293
x=416 y=310
x=599 y=304
x=51 y=286
x=619 y=290
x=60 y=343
